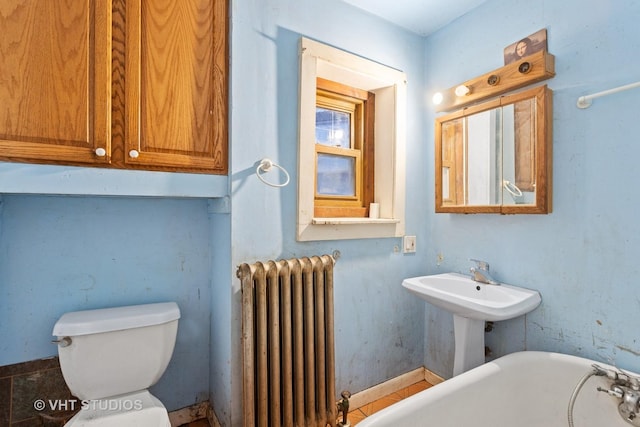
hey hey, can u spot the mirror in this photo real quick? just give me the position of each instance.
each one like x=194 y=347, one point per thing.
x=496 y=157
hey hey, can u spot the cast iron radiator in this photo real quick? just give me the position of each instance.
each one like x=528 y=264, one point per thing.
x=288 y=343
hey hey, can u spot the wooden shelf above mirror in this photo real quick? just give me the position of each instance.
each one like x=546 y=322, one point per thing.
x=531 y=69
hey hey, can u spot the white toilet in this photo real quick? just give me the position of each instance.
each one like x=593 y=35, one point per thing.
x=110 y=357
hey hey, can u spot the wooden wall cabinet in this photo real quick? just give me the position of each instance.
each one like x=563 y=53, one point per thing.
x=122 y=84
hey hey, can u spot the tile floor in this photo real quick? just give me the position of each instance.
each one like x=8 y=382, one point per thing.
x=359 y=414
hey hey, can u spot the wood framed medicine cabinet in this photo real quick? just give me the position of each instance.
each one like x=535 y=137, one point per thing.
x=495 y=157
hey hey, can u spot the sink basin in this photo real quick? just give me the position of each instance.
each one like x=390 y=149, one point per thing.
x=460 y=295
x=472 y=304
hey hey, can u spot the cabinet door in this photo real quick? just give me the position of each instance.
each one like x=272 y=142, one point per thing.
x=55 y=80
x=176 y=90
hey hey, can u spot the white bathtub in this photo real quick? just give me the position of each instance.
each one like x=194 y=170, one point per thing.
x=525 y=389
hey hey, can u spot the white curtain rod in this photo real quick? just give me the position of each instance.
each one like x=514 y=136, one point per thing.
x=585 y=101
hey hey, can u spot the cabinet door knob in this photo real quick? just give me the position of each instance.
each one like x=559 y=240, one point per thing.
x=100 y=152
x=134 y=154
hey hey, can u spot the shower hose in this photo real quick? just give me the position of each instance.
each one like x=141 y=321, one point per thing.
x=576 y=390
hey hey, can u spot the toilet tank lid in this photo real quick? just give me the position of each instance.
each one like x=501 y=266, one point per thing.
x=115 y=319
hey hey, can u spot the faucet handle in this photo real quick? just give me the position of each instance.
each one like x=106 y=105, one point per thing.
x=482 y=265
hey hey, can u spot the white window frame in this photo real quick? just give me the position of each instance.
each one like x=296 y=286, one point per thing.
x=389 y=86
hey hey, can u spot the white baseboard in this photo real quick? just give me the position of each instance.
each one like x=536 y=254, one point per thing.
x=432 y=378
x=391 y=386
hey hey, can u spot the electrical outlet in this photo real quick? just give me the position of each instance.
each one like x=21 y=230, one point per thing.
x=409 y=244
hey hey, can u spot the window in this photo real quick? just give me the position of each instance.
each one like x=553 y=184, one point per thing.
x=344 y=148
x=340 y=170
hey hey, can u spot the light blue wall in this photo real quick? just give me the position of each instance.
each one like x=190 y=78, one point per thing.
x=583 y=258
x=379 y=328
x=60 y=254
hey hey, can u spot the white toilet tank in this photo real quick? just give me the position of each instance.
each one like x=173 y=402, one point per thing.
x=115 y=351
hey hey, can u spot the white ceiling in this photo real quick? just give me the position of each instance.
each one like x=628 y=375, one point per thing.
x=419 y=16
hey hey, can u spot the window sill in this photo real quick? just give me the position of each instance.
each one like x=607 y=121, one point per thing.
x=349 y=228
x=345 y=221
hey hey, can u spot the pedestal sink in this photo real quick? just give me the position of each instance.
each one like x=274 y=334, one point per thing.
x=472 y=304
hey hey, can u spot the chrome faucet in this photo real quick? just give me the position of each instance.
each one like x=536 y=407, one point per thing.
x=480 y=273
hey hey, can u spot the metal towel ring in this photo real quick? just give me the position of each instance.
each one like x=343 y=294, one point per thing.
x=265 y=166
x=512 y=188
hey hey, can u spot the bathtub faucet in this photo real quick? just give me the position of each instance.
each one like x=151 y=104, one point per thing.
x=480 y=273
x=626 y=388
